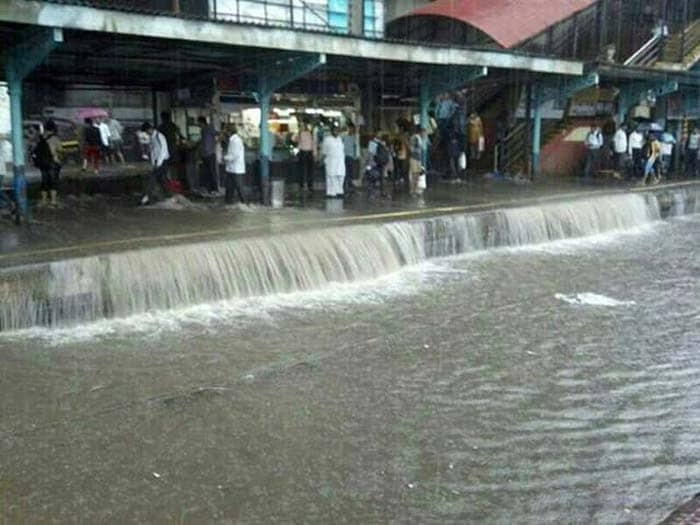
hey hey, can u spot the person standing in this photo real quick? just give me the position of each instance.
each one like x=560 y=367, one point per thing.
x=307 y=153
x=444 y=110
x=635 y=143
x=401 y=146
x=235 y=167
x=620 y=147
x=116 y=142
x=50 y=184
x=378 y=157
x=93 y=141
x=593 y=143
x=159 y=162
x=652 y=150
x=105 y=137
x=170 y=131
x=144 y=144
x=333 y=153
x=475 y=136
x=207 y=152
x=415 y=163
x=691 y=153
x=350 y=145
x=668 y=142
x=174 y=138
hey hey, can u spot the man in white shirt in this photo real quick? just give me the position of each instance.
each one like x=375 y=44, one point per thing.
x=620 y=147
x=668 y=141
x=333 y=152
x=635 y=143
x=104 y=137
x=159 y=161
x=116 y=142
x=235 y=167
x=594 y=143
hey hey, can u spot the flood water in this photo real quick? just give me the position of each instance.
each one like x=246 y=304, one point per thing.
x=550 y=383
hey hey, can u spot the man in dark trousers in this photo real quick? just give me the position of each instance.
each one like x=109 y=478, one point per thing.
x=159 y=161
x=173 y=137
x=207 y=152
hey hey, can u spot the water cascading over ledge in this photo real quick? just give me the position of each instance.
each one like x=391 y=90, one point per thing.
x=129 y=283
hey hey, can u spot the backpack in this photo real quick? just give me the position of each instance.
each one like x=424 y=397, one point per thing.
x=381 y=157
x=43 y=159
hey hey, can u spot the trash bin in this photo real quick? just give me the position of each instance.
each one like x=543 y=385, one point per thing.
x=277 y=193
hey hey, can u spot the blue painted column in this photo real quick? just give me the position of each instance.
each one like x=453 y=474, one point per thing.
x=425 y=95
x=270 y=78
x=265 y=149
x=19 y=181
x=536 y=128
x=31 y=50
x=622 y=106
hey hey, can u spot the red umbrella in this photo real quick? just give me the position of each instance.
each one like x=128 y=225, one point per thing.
x=83 y=113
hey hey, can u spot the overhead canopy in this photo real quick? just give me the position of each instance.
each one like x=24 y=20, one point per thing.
x=507 y=22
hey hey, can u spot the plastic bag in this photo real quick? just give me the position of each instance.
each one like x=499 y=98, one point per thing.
x=462 y=161
x=421 y=183
x=482 y=144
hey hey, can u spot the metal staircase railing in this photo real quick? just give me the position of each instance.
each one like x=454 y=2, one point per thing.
x=510 y=153
x=679 y=47
x=648 y=53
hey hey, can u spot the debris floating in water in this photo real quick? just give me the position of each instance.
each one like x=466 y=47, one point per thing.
x=592 y=299
x=156 y=475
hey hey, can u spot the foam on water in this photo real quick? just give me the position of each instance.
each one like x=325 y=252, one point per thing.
x=592 y=299
x=135 y=284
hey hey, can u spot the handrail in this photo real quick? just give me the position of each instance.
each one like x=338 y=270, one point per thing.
x=642 y=55
x=514 y=133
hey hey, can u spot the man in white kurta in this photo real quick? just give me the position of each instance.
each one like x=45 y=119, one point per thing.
x=333 y=152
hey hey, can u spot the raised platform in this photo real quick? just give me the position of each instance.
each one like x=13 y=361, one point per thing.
x=93 y=224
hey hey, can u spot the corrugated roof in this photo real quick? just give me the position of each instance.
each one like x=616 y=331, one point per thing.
x=508 y=22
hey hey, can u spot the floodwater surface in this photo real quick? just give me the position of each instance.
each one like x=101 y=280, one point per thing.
x=556 y=383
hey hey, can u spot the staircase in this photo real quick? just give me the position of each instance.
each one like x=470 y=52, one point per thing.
x=514 y=152
x=681 y=50
x=648 y=54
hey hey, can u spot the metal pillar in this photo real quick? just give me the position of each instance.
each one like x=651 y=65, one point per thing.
x=22 y=59
x=154 y=107
x=424 y=103
x=265 y=150
x=270 y=78
x=536 y=128
x=622 y=107
x=528 y=126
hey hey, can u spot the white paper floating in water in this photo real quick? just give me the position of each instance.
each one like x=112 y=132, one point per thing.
x=592 y=299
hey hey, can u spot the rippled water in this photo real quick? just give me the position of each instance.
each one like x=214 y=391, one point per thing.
x=549 y=384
